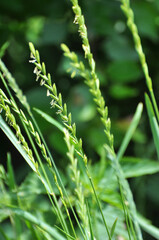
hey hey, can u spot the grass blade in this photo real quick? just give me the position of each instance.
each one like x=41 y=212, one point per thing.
x=28 y=216
x=153 y=123
x=90 y=224
x=11 y=178
x=3 y=49
x=135 y=167
x=100 y=208
x=49 y=119
x=12 y=186
x=3 y=234
x=113 y=227
x=148 y=227
x=65 y=233
x=125 y=6
x=15 y=142
x=130 y=131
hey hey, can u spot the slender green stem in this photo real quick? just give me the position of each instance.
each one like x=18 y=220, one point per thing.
x=93 y=82
x=14 y=86
x=4 y=234
x=98 y=202
x=57 y=209
x=6 y=86
x=58 y=175
x=128 y=196
x=81 y=205
x=154 y=104
x=124 y=208
x=40 y=71
x=23 y=100
x=125 y=6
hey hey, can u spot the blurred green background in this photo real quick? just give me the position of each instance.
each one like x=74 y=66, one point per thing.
x=48 y=23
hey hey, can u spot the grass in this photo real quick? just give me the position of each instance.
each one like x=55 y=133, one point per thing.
x=76 y=210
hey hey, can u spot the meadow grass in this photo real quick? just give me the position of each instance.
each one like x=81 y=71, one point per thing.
x=78 y=212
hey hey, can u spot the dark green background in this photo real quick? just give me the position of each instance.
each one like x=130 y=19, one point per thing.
x=47 y=24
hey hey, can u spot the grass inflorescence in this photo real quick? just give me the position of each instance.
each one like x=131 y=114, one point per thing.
x=74 y=204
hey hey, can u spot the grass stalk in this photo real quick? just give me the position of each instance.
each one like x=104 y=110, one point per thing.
x=92 y=82
x=99 y=100
x=124 y=209
x=74 y=144
x=22 y=98
x=99 y=204
x=128 y=196
x=13 y=85
x=125 y=6
x=45 y=79
x=13 y=123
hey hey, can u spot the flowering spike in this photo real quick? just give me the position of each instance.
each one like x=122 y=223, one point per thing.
x=80 y=143
x=31 y=126
x=43 y=68
x=32 y=49
x=65 y=109
x=60 y=100
x=49 y=79
x=23 y=116
x=69 y=119
x=37 y=56
x=54 y=89
x=74 y=129
x=73 y=74
x=65 y=48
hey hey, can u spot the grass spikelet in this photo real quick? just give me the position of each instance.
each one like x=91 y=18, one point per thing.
x=125 y=6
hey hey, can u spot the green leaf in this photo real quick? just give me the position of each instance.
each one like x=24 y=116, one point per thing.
x=4 y=234
x=153 y=123
x=148 y=227
x=3 y=49
x=35 y=220
x=113 y=227
x=34 y=28
x=32 y=185
x=121 y=91
x=111 y=213
x=90 y=224
x=130 y=131
x=3 y=213
x=65 y=233
x=15 y=142
x=134 y=167
x=49 y=119
x=18 y=146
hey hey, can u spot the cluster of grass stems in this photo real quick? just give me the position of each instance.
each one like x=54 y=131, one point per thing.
x=74 y=219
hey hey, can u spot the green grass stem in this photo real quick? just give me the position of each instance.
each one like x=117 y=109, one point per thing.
x=125 y=6
x=21 y=138
x=23 y=100
x=45 y=79
x=130 y=131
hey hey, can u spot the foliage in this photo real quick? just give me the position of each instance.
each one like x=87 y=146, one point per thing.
x=85 y=200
